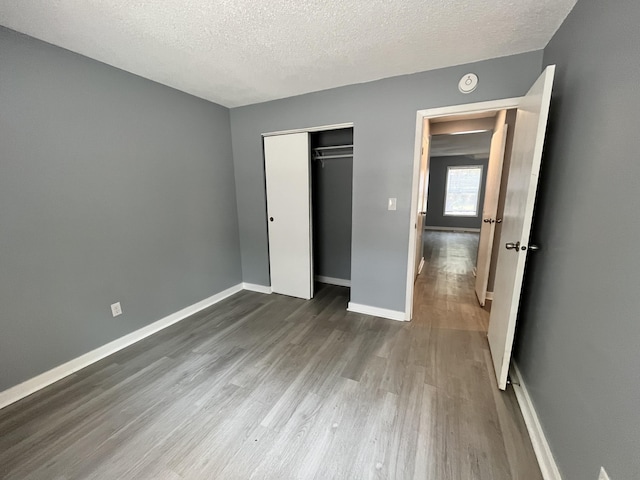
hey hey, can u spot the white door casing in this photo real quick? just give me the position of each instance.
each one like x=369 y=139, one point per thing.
x=522 y=185
x=463 y=109
x=423 y=187
x=288 y=185
x=490 y=207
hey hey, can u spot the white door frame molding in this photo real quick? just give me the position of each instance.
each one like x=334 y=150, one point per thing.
x=321 y=128
x=465 y=109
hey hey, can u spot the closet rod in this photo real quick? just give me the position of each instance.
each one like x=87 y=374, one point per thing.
x=329 y=157
x=336 y=147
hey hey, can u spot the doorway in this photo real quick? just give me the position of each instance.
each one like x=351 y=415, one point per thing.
x=465 y=166
x=519 y=202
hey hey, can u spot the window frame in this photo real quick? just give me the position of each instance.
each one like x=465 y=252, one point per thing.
x=446 y=190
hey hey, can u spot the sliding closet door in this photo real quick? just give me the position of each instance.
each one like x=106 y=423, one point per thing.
x=287 y=171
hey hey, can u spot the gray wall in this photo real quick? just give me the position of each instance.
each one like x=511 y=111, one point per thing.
x=580 y=327
x=436 y=194
x=332 y=192
x=112 y=188
x=384 y=116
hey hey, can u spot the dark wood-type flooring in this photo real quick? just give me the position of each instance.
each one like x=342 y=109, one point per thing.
x=271 y=387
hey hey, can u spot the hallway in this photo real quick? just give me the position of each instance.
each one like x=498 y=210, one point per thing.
x=445 y=288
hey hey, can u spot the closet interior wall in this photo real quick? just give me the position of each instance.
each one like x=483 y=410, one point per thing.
x=332 y=187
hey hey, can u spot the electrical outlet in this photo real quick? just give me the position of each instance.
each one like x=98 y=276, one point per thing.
x=116 y=309
x=603 y=474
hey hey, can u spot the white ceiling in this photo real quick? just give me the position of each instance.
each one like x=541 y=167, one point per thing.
x=238 y=52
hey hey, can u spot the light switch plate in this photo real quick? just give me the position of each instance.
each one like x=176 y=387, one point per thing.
x=393 y=203
x=116 y=309
x=603 y=474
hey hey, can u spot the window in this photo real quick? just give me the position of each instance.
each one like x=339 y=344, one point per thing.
x=462 y=193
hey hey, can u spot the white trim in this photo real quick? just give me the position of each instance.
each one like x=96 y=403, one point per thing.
x=378 y=312
x=45 y=379
x=547 y=463
x=341 y=282
x=453 y=229
x=254 y=287
x=469 y=108
x=322 y=128
x=489 y=296
x=490 y=106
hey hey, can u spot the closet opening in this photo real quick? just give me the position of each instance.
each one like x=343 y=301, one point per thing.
x=331 y=200
x=309 y=185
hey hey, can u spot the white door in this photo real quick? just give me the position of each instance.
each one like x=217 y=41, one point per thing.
x=423 y=186
x=490 y=207
x=522 y=184
x=287 y=173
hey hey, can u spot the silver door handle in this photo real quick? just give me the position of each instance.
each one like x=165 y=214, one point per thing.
x=535 y=248
x=487 y=220
x=512 y=246
x=498 y=220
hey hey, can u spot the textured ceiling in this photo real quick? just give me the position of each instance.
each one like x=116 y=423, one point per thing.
x=238 y=52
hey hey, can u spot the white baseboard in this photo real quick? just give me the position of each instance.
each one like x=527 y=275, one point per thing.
x=45 y=379
x=547 y=463
x=341 y=282
x=453 y=229
x=489 y=296
x=257 y=288
x=378 y=312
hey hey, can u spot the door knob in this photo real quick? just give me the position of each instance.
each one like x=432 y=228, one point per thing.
x=487 y=220
x=512 y=246
x=535 y=248
x=498 y=220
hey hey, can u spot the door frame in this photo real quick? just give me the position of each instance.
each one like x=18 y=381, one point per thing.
x=321 y=128
x=421 y=115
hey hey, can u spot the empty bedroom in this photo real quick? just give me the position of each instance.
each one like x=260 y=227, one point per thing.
x=319 y=240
